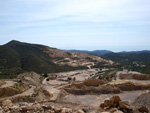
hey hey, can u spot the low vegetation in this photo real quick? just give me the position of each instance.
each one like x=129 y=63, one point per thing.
x=132 y=61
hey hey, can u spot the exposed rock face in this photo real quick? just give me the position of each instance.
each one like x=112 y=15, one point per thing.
x=142 y=102
x=31 y=78
x=75 y=59
x=13 y=90
x=46 y=93
x=124 y=105
x=115 y=99
x=21 y=87
x=90 y=82
x=92 y=86
x=1 y=83
x=93 y=82
x=8 y=91
x=141 y=77
x=143 y=109
x=115 y=102
x=130 y=86
x=7 y=103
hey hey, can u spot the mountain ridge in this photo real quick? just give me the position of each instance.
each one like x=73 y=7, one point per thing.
x=17 y=57
x=103 y=52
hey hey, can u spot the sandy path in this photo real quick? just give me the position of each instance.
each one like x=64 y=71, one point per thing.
x=95 y=100
x=53 y=87
x=28 y=92
x=8 y=84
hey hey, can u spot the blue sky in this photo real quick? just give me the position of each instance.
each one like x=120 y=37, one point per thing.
x=117 y=25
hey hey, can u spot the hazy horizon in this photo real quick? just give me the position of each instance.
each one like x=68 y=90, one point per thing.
x=80 y=49
x=118 y=25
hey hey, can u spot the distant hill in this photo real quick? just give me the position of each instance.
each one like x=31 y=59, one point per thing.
x=17 y=57
x=131 y=57
x=132 y=60
x=95 y=52
x=135 y=52
x=138 y=61
x=103 y=52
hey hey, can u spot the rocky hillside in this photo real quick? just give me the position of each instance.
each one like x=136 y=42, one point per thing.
x=17 y=57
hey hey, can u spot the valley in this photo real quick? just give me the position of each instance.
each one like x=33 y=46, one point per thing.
x=42 y=79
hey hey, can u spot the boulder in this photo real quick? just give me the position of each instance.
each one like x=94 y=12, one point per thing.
x=143 y=109
x=108 y=103
x=45 y=107
x=124 y=105
x=80 y=111
x=15 y=107
x=115 y=99
x=57 y=110
x=36 y=106
x=24 y=108
x=7 y=103
x=66 y=110
x=102 y=105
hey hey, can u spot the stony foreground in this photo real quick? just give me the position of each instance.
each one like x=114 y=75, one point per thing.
x=112 y=105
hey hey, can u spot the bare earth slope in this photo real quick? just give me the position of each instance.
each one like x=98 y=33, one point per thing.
x=17 y=57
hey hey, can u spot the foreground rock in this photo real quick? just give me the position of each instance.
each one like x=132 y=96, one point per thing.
x=45 y=107
x=1 y=83
x=124 y=106
x=115 y=102
x=92 y=86
x=7 y=103
x=143 y=109
x=112 y=102
x=142 y=102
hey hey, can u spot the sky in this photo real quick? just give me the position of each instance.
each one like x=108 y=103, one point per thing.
x=117 y=25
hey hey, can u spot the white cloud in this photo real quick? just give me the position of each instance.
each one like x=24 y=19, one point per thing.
x=94 y=10
x=91 y=20
x=76 y=10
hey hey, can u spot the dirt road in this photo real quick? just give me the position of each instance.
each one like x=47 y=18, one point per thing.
x=8 y=84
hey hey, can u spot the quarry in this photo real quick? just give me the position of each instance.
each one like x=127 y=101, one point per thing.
x=75 y=91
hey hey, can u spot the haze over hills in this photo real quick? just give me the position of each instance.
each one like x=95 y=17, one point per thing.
x=103 y=52
x=96 y=52
x=132 y=60
x=16 y=57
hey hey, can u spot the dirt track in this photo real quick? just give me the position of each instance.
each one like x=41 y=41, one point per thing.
x=8 y=84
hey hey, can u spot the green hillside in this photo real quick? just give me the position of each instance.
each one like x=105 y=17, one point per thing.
x=17 y=57
x=138 y=61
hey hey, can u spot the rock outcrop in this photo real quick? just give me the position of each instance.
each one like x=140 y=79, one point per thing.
x=115 y=102
x=7 y=103
x=1 y=83
x=143 y=109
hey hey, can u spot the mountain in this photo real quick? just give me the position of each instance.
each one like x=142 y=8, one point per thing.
x=137 y=60
x=95 y=52
x=132 y=60
x=17 y=57
x=135 y=52
x=103 y=52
